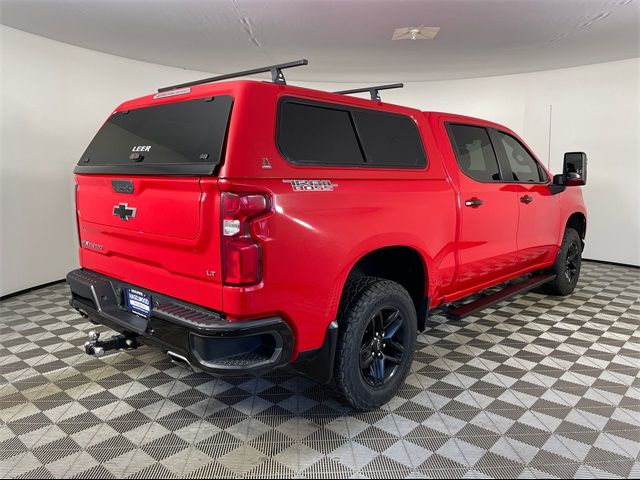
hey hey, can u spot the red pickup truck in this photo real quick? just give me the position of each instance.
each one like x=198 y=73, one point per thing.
x=244 y=226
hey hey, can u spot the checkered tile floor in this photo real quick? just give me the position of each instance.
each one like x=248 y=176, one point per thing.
x=537 y=387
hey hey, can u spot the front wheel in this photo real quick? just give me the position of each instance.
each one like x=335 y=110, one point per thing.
x=377 y=340
x=567 y=265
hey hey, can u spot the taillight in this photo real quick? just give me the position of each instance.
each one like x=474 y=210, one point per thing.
x=241 y=252
x=77 y=216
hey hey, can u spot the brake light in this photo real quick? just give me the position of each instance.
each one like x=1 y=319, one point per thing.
x=77 y=216
x=241 y=252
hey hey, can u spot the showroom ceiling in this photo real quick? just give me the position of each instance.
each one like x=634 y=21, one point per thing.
x=344 y=40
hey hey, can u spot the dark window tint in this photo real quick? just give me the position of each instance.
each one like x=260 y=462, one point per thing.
x=178 y=133
x=475 y=153
x=390 y=140
x=523 y=166
x=319 y=135
x=322 y=134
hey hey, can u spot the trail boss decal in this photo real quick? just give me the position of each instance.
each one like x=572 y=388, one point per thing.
x=311 y=185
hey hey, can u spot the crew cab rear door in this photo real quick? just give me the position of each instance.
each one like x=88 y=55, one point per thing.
x=148 y=203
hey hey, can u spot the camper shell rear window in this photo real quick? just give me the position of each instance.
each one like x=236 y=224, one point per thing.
x=178 y=138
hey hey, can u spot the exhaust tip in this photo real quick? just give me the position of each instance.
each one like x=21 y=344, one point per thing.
x=179 y=360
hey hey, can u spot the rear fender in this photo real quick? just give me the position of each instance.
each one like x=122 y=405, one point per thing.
x=375 y=243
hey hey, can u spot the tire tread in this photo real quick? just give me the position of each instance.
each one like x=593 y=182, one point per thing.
x=560 y=286
x=358 y=294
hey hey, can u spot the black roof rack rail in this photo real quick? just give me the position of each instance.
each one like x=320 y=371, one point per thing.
x=276 y=75
x=374 y=91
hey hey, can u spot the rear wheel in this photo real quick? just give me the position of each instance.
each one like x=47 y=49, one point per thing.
x=567 y=265
x=378 y=328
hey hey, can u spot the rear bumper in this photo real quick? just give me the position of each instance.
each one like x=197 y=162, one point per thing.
x=204 y=337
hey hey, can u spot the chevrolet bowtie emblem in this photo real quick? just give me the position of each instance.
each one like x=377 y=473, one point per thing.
x=124 y=211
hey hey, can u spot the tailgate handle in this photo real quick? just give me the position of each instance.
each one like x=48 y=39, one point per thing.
x=122 y=186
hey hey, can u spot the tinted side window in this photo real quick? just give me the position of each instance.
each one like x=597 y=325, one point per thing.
x=320 y=135
x=523 y=166
x=389 y=140
x=475 y=153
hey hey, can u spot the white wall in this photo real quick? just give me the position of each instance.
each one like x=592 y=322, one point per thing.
x=54 y=97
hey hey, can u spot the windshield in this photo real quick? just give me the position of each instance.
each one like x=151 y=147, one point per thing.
x=174 y=138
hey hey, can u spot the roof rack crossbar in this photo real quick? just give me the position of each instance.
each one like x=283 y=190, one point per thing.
x=276 y=75
x=373 y=91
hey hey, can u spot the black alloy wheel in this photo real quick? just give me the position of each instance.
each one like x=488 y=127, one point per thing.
x=378 y=327
x=382 y=349
x=567 y=266
x=572 y=263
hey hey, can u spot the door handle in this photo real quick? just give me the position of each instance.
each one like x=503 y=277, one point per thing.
x=473 y=202
x=526 y=199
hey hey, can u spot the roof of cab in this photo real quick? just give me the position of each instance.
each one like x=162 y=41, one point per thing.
x=457 y=118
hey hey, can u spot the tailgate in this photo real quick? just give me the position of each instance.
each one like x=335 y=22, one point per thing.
x=164 y=236
x=148 y=203
x=156 y=205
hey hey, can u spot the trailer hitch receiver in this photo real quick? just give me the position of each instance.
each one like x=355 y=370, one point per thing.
x=98 y=348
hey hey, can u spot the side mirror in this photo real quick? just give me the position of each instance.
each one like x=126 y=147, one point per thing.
x=574 y=171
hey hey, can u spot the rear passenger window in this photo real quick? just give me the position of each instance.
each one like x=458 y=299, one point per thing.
x=525 y=169
x=317 y=135
x=320 y=134
x=475 y=153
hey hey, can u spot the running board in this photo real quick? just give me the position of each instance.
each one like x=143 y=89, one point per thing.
x=466 y=309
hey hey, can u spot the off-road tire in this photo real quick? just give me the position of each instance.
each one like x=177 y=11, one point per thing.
x=361 y=299
x=563 y=284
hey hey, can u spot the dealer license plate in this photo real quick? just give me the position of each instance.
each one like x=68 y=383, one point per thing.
x=138 y=302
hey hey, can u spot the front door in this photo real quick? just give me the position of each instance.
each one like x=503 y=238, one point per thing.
x=539 y=214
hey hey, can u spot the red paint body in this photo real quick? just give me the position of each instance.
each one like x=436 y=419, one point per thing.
x=311 y=240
